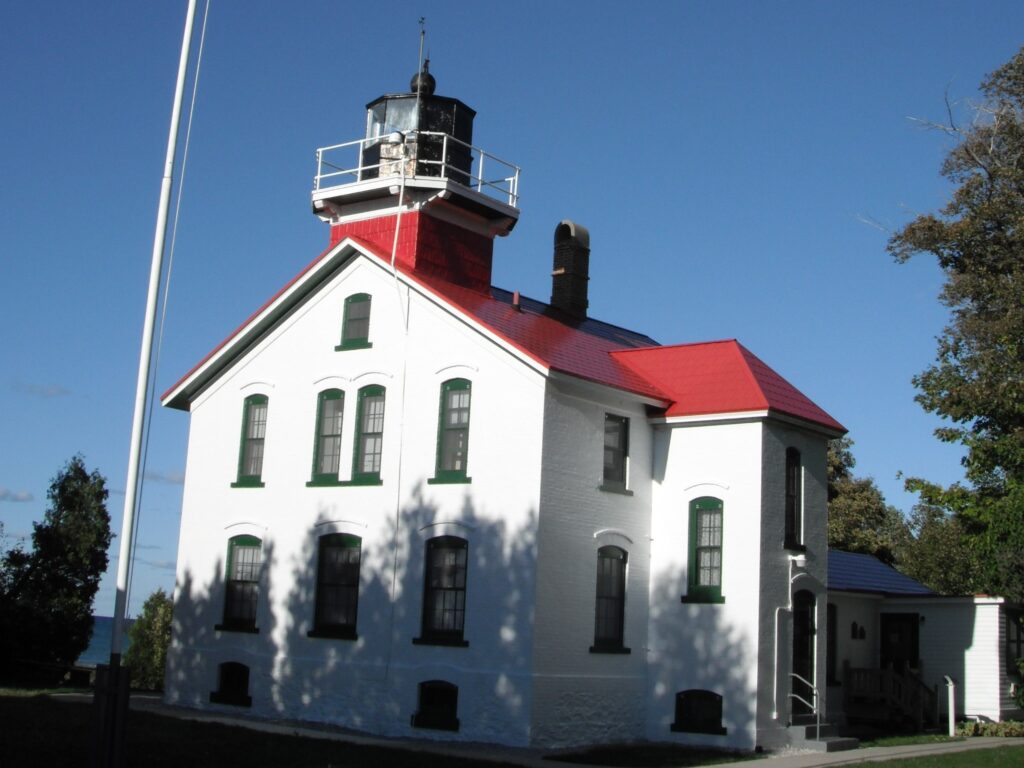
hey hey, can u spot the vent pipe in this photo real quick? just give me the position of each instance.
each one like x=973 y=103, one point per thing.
x=571 y=270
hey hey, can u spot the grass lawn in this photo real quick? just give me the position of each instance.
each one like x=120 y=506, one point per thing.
x=998 y=757
x=37 y=730
x=911 y=738
x=651 y=756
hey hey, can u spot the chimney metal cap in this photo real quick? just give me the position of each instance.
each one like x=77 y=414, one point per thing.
x=570 y=229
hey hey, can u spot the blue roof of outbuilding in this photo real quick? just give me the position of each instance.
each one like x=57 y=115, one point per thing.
x=852 y=572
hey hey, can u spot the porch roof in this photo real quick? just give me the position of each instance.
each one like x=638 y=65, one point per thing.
x=854 y=572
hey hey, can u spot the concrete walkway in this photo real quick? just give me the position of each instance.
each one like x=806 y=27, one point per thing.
x=532 y=758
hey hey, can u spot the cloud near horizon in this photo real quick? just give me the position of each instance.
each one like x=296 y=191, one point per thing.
x=15 y=496
x=45 y=391
x=171 y=478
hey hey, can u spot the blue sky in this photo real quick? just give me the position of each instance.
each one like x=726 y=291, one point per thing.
x=737 y=164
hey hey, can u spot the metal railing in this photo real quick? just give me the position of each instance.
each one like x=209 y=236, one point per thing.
x=342 y=164
x=815 y=709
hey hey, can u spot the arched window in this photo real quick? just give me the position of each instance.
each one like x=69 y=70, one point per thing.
x=698 y=711
x=438 y=706
x=337 y=586
x=369 y=444
x=355 y=328
x=704 y=582
x=444 y=592
x=794 y=536
x=327 y=440
x=254 y=432
x=232 y=685
x=453 y=432
x=242 y=584
x=610 y=608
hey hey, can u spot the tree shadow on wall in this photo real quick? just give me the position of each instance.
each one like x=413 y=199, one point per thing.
x=692 y=648
x=370 y=682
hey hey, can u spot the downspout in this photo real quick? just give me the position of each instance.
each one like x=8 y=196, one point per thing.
x=801 y=562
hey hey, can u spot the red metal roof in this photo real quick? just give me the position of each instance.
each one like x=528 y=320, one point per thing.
x=690 y=379
x=720 y=377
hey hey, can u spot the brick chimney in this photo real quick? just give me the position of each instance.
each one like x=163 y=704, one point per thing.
x=571 y=270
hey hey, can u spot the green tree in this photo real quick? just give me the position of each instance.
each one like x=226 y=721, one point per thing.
x=977 y=381
x=859 y=520
x=150 y=635
x=46 y=595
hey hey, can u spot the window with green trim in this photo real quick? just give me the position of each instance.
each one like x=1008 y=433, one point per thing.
x=369 y=436
x=327 y=442
x=444 y=591
x=705 y=562
x=794 y=511
x=453 y=432
x=254 y=432
x=616 y=451
x=610 y=609
x=355 y=327
x=241 y=587
x=337 y=586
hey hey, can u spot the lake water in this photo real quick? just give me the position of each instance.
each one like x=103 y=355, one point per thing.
x=98 y=651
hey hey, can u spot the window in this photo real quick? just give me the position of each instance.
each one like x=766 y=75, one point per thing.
x=242 y=584
x=444 y=592
x=832 y=628
x=453 y=432
x=609 y=612
x=1014 y=643
x=232 y=685
x=438 y=706
x=698 y=711
x=254 y=432
x=616 y=452
x=369 y=436
x=337 y=586
x=327 y=445
x=705 y=563
x=794 y=511
x=355 y=328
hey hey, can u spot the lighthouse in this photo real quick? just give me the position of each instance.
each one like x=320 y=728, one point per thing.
x=417 y=171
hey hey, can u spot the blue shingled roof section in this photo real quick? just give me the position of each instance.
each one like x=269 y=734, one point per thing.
x=852 y=572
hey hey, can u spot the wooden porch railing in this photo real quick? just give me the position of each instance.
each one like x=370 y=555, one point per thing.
x=899 y=692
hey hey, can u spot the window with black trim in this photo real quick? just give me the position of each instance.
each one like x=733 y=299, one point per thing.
x=831 y=649
x=330 y=408
x=453 y=432
x=616 y=452
x=254 y=433
x=242 y=584
x=794 y=503
x=444 y=592
x=337 y=586
x=1014 y=643
x=369 y=436
x=232 y=685
x=438 y=706
x=699 y=711
x=610 y=607
x=704 y=569
x=355 y=328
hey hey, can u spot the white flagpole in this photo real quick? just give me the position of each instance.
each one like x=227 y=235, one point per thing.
x=142 y=385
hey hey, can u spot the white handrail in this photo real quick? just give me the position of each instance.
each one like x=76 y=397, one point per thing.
x=814 y=707
x=340 y=164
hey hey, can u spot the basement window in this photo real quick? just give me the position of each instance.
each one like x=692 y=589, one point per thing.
x=698 y=711
x=232 y=685
x=438 y=706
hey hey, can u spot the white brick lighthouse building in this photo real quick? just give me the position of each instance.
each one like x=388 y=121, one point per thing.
x=419 y=505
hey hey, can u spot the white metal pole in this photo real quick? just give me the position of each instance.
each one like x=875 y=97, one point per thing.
x=142 y=384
